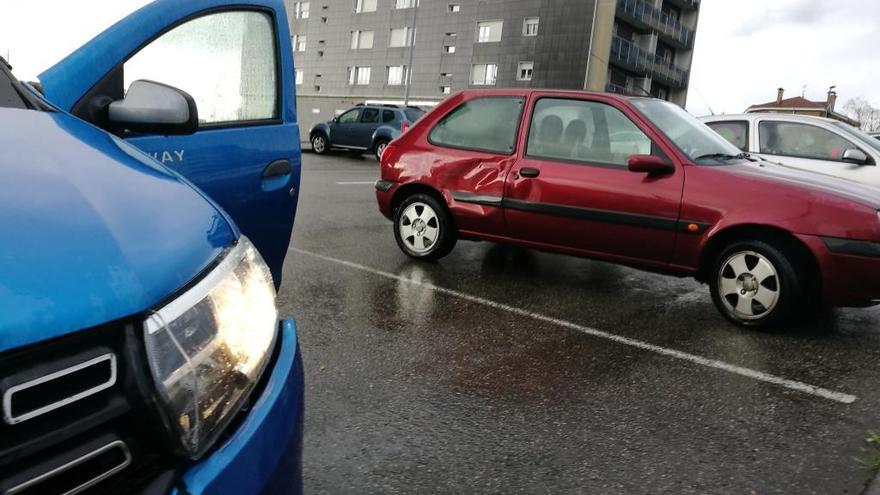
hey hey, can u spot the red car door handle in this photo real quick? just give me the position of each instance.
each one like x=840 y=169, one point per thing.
x=529 y=172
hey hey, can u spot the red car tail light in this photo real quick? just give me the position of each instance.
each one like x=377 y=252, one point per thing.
x=404 y=126
x=387 y=153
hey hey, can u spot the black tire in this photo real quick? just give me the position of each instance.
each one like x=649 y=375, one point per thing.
x=320 y=143
x=438 y=218
x=737 y=292
x=379 y=147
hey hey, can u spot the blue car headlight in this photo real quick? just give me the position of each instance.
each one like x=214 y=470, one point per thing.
x=207 y=348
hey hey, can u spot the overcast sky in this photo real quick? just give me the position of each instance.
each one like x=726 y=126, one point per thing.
x=745 y=48
x=748 y=48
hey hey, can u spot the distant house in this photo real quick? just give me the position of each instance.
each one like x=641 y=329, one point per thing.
x=802 y=106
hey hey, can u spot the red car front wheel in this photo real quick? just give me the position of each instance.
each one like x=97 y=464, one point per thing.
x=758 y=284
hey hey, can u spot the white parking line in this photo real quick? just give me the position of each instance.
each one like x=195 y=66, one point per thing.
x=684 y=356
x=356 y=183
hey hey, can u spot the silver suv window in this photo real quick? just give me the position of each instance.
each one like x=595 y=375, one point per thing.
x=802 y=141
x=737 y=132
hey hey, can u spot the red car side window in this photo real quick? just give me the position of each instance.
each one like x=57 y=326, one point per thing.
x=484 y=124
x=584 y=131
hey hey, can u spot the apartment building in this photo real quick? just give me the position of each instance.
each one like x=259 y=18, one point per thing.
x=352 y=51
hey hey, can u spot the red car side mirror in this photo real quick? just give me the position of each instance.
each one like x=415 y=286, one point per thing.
x=650 y=164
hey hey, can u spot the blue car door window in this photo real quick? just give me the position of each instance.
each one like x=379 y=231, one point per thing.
x=225 y=61
x=349 y=117
x=235 y=60
x=387 y=116
x=370 y=116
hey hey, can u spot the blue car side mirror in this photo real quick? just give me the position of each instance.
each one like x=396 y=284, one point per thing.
x=154 y=108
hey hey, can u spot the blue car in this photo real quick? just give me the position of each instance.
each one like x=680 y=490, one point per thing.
x=148 y=193
x=363 y=128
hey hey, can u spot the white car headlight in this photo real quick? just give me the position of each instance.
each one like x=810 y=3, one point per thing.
x=208 y=348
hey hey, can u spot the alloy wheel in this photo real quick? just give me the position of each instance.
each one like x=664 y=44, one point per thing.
x=748 y=285
x=380 y=148
x=319 y=145
x=419 y=227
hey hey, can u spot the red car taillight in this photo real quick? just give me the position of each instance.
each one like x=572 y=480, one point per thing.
x=404 y=126
x=387 y=153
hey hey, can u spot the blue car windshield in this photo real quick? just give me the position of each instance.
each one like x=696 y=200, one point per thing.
x=699 y=142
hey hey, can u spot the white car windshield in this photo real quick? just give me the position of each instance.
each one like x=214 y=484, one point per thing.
x=862 y=136
x=695 y=139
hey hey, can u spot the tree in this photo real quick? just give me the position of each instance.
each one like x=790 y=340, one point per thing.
x=862 y=110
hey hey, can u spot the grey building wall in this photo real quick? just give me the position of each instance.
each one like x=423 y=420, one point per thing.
x=560 y=52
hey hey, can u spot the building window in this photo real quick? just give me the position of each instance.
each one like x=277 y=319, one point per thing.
x=453 y=7
x=299 y=77
x=489 y=31
x=358 y=76
x=301 y=10
x=299 y=43
x=484 y=74
x=365 y=6
x=401 y=37
x=530 y=26
x=361 y=40
x=524 y=71
x=451 y=34
x=448 y=48
x=405 y=4
x=446 y=74
x=397 y=75
x=445 y=90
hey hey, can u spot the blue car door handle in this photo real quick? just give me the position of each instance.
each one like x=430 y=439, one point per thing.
x=278 y=168
x=276 y=175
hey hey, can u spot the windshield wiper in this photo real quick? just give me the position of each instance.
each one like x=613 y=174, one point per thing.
x=724 y=156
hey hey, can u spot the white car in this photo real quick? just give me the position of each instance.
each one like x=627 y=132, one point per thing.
x=812 y=143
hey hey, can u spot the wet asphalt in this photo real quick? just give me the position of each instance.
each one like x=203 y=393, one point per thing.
x=482 y=373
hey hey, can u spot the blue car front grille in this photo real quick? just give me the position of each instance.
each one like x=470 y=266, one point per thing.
x=77 y=416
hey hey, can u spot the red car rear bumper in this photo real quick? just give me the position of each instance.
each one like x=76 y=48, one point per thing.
x=385 y=190
x=850 y=270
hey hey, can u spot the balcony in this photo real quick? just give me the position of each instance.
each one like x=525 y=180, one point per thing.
x=686 y=4
x=616 y=88
x=629 y=56
x=625 y=90
x=643 y=14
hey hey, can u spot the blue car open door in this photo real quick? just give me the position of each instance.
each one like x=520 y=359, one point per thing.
x=233 y=57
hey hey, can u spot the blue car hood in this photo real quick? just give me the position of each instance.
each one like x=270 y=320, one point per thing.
x=91 y=230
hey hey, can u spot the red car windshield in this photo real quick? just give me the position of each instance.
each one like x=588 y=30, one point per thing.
x=700 y=143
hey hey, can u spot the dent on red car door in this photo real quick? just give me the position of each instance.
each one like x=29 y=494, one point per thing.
x=475 y=144
x=573 y=190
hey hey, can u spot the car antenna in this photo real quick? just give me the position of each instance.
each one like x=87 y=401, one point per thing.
x=705 y=100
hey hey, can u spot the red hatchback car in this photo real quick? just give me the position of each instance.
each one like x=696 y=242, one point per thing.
x=635 y=181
